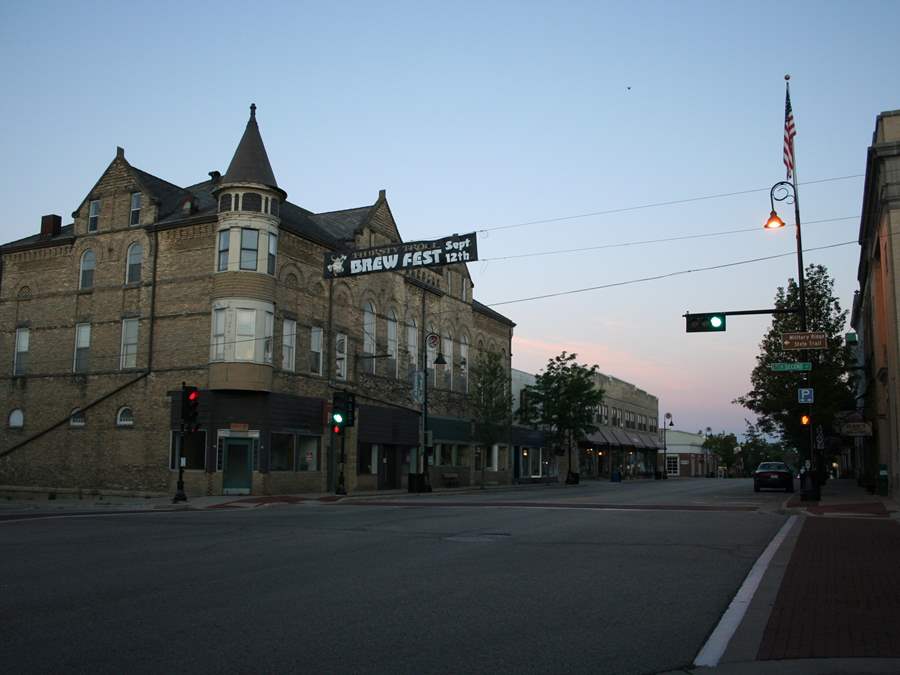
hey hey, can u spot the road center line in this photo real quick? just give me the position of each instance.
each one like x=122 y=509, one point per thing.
x=718 y=641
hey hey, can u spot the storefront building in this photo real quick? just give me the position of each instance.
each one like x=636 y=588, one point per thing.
x=220 y=285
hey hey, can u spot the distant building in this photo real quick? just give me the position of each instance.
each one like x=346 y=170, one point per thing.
x=685 y=455
x=626 y=439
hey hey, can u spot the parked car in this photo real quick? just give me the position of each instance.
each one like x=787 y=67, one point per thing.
x=773 y=475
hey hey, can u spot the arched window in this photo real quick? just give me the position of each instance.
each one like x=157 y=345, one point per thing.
x=86 y=276
x=252 y=202
x=77 y=418
x=125 y=417
x=16 y=419
x=447 y=351
x=412 y=347
x=393 y=346
x=464 y=364
x=368 y=337
x=135 y=258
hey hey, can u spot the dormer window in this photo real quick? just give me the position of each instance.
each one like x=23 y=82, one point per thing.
x=135 y=209
x=93 y=215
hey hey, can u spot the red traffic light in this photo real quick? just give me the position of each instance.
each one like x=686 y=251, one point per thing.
x=194 y=395
x=336 y=429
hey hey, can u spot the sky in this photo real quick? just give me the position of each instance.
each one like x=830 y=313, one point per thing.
x=475 y=116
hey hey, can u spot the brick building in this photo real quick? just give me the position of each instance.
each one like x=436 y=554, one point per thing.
x=220 y=285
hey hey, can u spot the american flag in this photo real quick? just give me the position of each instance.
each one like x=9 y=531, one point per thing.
x=789 y=133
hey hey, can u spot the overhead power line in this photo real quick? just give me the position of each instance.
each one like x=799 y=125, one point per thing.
x=643 y=242
x=651 y=205
x=667 y=275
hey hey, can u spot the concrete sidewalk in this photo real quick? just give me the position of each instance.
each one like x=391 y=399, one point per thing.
x=830 y=600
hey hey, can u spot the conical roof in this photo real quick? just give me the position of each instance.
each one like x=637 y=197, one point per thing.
x=250 y=163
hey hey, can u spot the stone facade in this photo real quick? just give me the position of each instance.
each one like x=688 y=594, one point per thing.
x=258 y=333
x=876 y=309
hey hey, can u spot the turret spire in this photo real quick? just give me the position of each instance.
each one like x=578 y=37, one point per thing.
x=250 y=163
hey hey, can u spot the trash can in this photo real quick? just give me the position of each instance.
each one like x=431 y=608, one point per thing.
x=882 y=480
x=616 y=477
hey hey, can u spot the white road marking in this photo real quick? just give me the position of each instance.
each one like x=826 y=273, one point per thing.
x=715 y=646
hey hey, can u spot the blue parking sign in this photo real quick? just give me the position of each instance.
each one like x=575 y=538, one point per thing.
x=805 y=395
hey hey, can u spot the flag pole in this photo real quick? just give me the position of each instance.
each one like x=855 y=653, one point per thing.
x=800 y=280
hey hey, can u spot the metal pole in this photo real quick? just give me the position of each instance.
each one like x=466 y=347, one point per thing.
x=180 y=496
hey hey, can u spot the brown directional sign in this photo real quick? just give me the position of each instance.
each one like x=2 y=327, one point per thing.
x=810 y=340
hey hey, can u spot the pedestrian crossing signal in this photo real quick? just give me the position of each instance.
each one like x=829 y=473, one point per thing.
x=805 y=420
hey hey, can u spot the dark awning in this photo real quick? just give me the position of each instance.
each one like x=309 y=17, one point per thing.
x=391 y=426
x=531 y=438
x=603 y=437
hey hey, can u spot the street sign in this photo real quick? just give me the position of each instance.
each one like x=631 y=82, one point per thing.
x=820 y=438
x=802 y=366
x=805 y=395
x=809 y=340
x=856 y=429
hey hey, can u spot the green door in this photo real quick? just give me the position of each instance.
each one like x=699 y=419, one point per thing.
x=237 y=474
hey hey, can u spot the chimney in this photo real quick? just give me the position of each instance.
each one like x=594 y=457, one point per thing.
x=50 y=225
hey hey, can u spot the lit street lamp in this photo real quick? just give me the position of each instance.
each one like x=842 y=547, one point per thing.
x=786 y=191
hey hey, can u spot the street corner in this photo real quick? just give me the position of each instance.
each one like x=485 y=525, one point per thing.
x=257 y=502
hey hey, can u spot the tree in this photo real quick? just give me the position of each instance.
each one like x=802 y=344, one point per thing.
x=491 y=401
x=723 y=446
x=563 y=399
x=756 y=448
x=773 y=396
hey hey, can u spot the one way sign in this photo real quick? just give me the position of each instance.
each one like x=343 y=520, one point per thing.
x=805 y=395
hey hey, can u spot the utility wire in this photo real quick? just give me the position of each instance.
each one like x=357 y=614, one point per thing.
x=672 y=202
x=668 y=274
x=643 y=242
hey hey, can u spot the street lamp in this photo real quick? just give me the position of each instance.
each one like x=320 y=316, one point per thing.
x=667 y=422
x=786 y=191
x=707 y=454
x=425 y=485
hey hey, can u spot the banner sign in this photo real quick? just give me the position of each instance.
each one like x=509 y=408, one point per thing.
x=458 y=248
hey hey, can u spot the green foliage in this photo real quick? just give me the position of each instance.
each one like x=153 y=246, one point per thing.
x=756 y=448
x=773 y=396
x=722 y=445
x=490 y=399
x=563 y=400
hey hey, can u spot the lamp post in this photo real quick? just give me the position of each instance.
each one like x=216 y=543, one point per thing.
x=667 y=422
x=425 y=484
x=707 y=454
x=786 y=191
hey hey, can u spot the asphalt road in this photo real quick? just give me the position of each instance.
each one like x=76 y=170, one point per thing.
x=343 y=587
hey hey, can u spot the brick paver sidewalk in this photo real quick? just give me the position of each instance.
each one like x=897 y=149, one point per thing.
x=840 y=595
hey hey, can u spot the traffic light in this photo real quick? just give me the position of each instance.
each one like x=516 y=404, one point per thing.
x=705 y=323
x=805 y=420
x=190 y=406
x=338 y=412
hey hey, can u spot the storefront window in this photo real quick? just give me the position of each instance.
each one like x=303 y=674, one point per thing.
x=307 y=453
x=282 y=452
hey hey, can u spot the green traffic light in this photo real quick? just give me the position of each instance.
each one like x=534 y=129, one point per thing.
x=337 y=418
x=715 y=321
